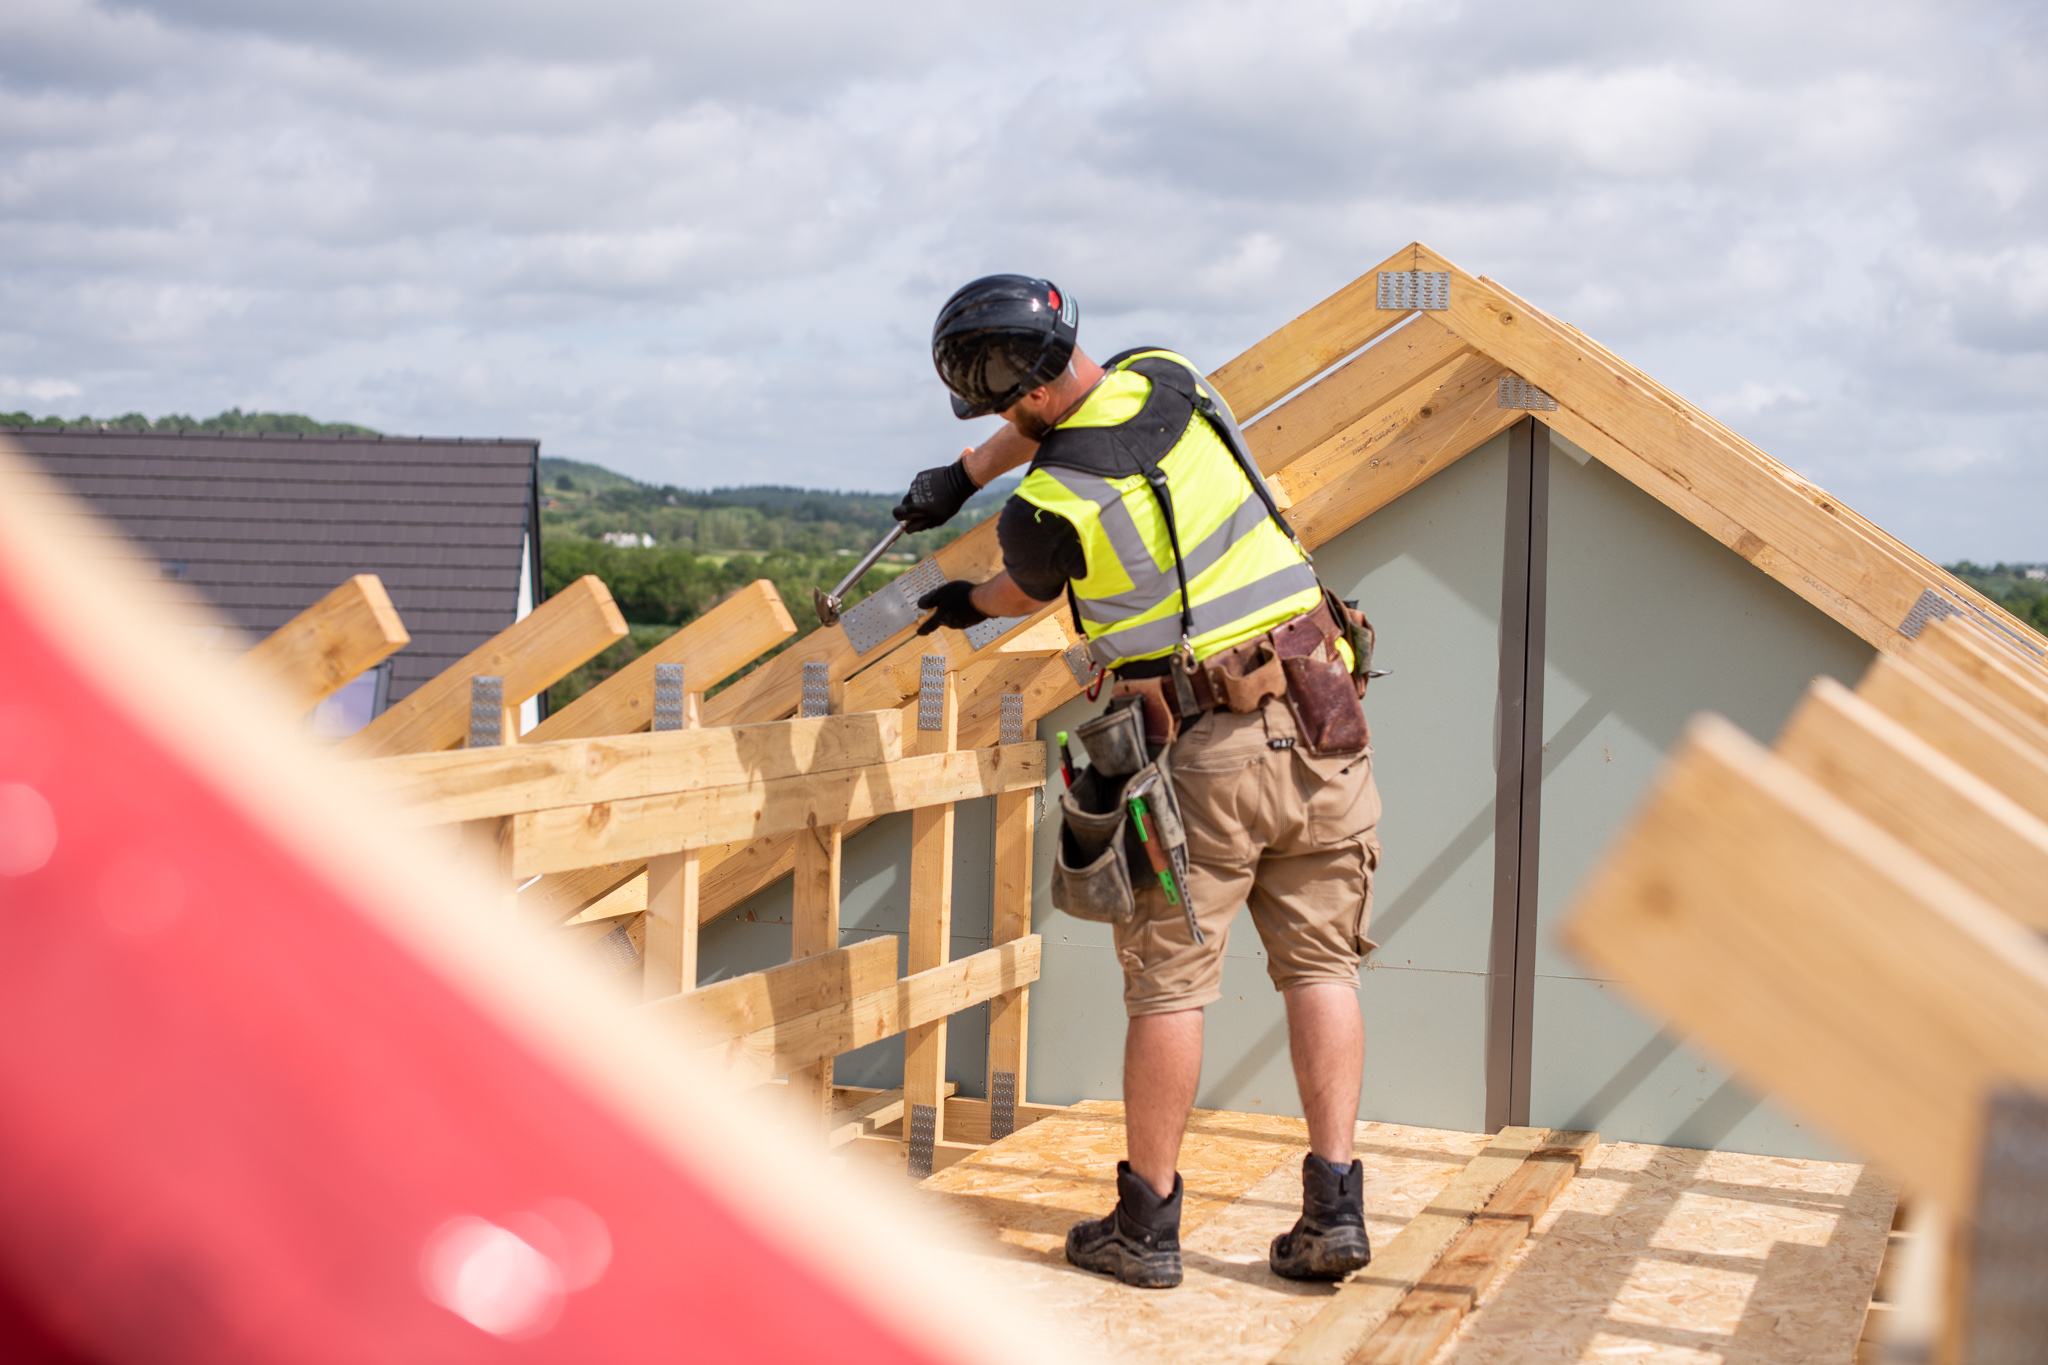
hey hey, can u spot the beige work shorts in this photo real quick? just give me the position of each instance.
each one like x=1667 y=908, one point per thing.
x=1292 y=837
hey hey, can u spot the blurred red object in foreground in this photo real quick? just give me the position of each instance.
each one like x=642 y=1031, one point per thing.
x=240 y=1120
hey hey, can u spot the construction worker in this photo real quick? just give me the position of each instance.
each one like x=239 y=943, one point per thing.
x=1140 y=506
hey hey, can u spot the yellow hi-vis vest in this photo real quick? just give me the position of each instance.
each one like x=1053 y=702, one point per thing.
x=1245 y=575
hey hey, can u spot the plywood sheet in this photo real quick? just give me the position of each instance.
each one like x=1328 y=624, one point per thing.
x=1243 y=1177
x=1652 y=1254
x=1665 y=1254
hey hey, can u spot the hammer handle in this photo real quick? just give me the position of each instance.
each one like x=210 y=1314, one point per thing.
x=867 y=562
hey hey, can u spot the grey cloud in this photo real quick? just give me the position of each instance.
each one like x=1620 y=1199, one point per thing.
x=704 y=244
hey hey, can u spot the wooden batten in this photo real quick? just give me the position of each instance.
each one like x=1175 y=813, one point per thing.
x=1820 y=958
x=1921 y=797
x=800 y=1040
x=670 y=927
x=711 y=648
x=1971 y=651
x=931 y=900
x=1314 y=341
x=572 y=627
x=567 y=837
x=1932 y=707
x=1375 y=377
x=311 y=656
x=745 y=1005
x=1395 y=449
x=1430 y=1312
x=464 y=784
x=1382 y=1314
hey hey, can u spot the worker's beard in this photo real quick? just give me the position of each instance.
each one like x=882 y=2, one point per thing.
x=1030 y=425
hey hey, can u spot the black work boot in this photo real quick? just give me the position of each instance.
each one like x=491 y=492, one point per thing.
x=1328 y=1241
x=1139 y=1242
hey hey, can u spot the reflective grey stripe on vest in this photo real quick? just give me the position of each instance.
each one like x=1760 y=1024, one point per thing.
x=1155 y=636
x=1151 y=584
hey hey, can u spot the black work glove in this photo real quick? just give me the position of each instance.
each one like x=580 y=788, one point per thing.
x=951 y=605
x=934 y=496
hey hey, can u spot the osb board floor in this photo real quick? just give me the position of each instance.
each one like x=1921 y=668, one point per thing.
x=1653 y=1254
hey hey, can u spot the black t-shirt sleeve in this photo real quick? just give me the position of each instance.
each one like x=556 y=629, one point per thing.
x=1041 y=549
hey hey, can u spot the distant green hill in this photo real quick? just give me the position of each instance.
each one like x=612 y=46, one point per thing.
x=233 y=420
x=708 y=543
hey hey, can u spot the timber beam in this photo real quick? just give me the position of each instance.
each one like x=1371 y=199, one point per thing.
x=469 y=784
x=311 y=656
x=1821 y=959
x=849 y=1017
x=572 y=627
x=565 y=837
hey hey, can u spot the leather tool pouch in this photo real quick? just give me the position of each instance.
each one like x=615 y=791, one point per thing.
x=1102 y=871
x=1244 y=682
x=1160 y=708
x=1324 y=695
x=1326 y=707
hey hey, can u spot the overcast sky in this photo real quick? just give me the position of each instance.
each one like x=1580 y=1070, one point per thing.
x=703 y=244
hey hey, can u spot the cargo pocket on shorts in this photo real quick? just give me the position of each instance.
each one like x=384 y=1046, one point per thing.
x=1343 y=802
x=1369 y=858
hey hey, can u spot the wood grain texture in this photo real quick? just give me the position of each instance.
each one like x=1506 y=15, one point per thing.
x=931 y=910
x=1009 y=1016
x=1925 y=703
x=1970 y=651
x=1453 y=1287
x=465 y=784
x=1820 y=959
x=814 y=929
x=1395 y=449
x=1921 y=797
x=1375 y=377
x=670 y=926
x=743 y=1005
x=1362 y=1302
x=566 y=837
x=921 y=998
x=711 y=648
x=1311 y=343
x=309 y=657
x=572 y=627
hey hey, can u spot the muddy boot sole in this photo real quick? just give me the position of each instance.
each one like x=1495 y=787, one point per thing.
x=1100 y=1246
x=1319 y=1254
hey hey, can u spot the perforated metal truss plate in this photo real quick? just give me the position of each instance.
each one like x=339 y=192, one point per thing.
x=1010 y=718
x=1002 y=1105
x=992 y=630
x=1423 y=289
x=615 y=951
x=931 y=692
x=1934 y=606
x=2008 y=1312
x=887 y=610
x=924 y=1131
x=1517 y=392
x=668 y=696
x=817 y=695
x=1080 y=665
x=486 y=712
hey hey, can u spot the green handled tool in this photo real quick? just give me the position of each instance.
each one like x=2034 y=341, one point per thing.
x=1153 y=851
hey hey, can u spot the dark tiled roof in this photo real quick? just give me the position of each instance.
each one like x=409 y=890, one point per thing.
x=264 y=525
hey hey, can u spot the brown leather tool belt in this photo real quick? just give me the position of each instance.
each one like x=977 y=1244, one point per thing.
x=1242 y=678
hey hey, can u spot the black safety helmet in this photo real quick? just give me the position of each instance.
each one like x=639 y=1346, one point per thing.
x=999 y=338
